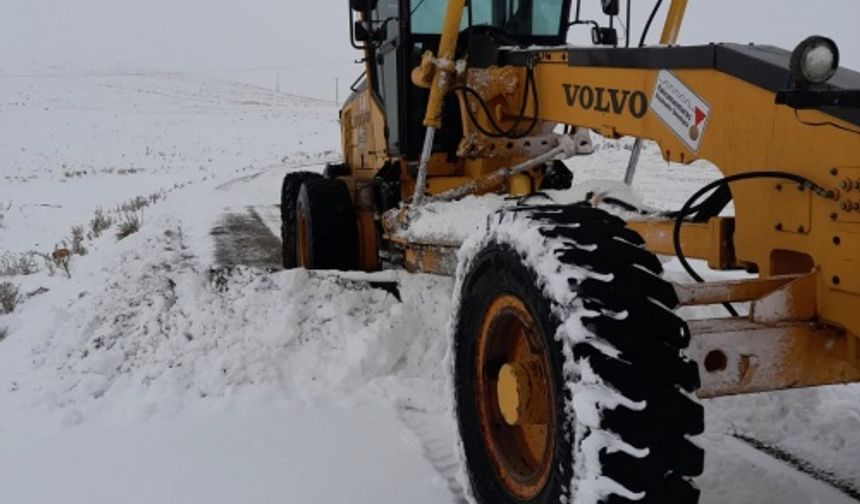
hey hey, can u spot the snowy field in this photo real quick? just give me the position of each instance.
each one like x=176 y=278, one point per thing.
x=173 y=367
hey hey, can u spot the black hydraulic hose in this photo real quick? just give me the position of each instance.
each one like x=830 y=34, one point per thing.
x=511 y=132
x=648 y=24
x=627 y=27
x=686 y=210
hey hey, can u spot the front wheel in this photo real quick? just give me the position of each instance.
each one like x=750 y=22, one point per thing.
x=569 y=378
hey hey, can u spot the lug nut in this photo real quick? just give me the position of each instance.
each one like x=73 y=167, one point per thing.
x=847 y=206
x=846 y=185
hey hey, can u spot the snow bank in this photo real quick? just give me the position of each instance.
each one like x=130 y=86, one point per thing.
x=157 y=326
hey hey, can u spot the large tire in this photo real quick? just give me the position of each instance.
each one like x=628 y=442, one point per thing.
x=327 y=237
x=289 y=196
x=568 y=302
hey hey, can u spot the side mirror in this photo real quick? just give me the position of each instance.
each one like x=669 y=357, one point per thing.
x=363 y=5
x=611 y=7
x=362 y=34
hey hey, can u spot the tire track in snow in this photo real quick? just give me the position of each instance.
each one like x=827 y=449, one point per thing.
x=438 y=444
x=828 y=488
x=244 y=179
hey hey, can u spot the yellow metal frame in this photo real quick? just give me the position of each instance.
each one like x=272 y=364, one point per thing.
x=738 y=356
x=444 y=62
x=805 y=248
x=710 y=241
x=744 y=118
x=674 y=20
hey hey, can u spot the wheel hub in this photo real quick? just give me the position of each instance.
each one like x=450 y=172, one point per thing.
x=509 y=394
x=521 y=393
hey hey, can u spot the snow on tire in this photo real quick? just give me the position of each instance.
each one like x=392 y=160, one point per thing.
x=569 y=376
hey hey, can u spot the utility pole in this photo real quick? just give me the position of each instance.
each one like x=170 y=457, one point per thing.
x=278 y=82
x=336 y=91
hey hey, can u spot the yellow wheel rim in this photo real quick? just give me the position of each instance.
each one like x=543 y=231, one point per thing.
x=515 y=397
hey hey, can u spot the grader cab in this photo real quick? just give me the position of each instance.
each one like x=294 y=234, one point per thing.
x=575 y=379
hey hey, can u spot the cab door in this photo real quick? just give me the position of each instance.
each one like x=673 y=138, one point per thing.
x=387 y=63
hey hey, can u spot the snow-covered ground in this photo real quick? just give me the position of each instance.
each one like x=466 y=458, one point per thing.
x=71 y=144
x=156 y=371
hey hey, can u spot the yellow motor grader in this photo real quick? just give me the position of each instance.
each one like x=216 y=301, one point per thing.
x=575 y=380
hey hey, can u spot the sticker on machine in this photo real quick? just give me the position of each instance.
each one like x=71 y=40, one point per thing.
x=681 y=109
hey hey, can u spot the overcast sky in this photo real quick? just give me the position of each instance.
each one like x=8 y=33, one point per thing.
x=307 y=41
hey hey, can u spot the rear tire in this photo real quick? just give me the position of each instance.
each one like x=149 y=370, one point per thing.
x=617 y=389
x=289 y=196
x=326 y=233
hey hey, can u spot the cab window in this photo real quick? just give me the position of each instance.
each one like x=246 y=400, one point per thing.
x=524 y=18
